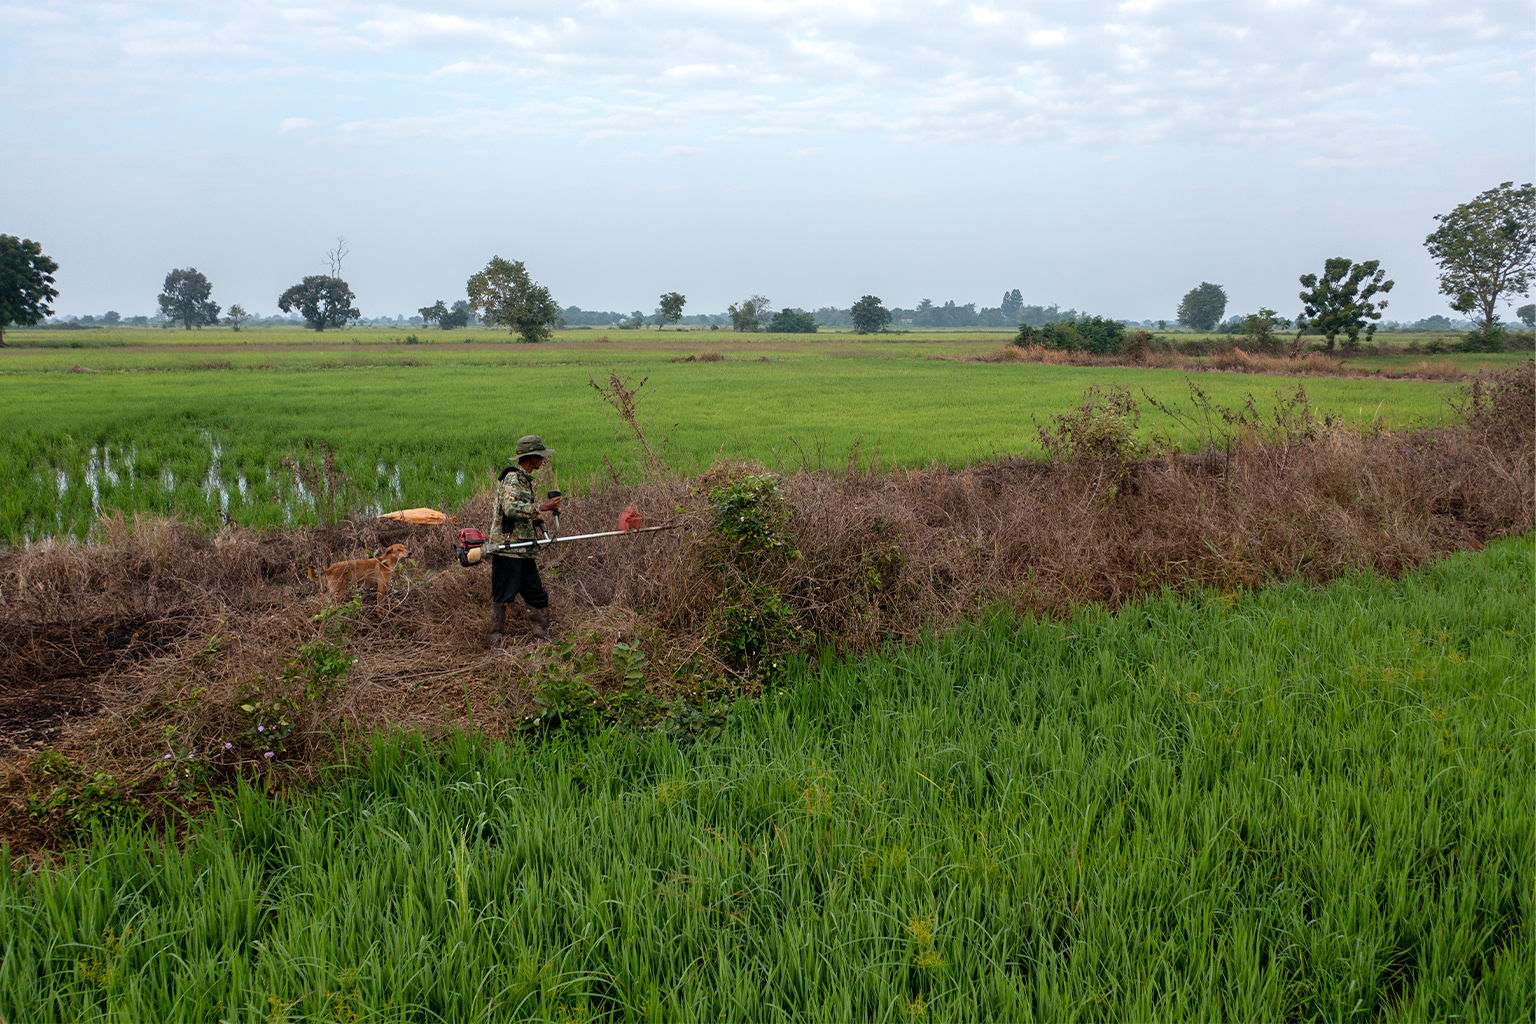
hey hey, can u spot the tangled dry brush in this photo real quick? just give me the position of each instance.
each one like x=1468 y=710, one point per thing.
x=161 y=641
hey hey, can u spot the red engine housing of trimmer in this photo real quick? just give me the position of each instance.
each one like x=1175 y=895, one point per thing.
x=468 y=538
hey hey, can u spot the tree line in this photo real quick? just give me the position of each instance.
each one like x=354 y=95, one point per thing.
x=1485 y=249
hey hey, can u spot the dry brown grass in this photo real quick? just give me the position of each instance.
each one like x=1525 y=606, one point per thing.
x=1234 y=360
x=150 y=640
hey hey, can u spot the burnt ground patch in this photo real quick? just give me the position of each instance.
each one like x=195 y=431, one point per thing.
x=49 y=672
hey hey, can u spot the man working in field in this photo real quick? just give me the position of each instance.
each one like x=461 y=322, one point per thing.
x=513 y=518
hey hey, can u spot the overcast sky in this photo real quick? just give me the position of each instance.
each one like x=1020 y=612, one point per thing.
x=1098 y=155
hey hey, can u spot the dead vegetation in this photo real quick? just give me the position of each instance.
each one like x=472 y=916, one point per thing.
x=1230 y=360
x=162 y=659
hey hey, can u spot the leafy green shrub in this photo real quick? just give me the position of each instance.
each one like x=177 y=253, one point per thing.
x=1479 y=340
x=318 y=666
x=751 y=514
x=1095 y=334
x=79 y=802
x=564 y=694
x=792 y=321
x=687 y=721
x=632 y=706
x=753 y=625
x=321 y=662
x=267 y=728
x=1519 y=341
x=1101 y=429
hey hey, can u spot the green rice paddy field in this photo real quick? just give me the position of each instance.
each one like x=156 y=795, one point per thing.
x=199 y=423
x=1298 y=804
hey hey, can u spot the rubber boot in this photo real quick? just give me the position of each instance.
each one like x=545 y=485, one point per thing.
x=538 y=623
x=498 y=623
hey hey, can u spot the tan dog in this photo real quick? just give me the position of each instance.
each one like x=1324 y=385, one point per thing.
x=338 y=579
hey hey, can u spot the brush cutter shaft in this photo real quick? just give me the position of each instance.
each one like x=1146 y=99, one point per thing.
x=473 y=548
x=496 y=548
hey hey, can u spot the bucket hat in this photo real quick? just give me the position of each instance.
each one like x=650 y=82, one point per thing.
x=531 y=444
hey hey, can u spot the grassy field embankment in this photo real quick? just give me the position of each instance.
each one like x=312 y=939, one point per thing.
x=199 y=425
x=1293 y=804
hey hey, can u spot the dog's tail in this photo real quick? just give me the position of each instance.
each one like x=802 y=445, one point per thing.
x=309 y=570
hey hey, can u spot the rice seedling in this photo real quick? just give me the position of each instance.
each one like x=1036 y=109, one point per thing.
x=212 y=446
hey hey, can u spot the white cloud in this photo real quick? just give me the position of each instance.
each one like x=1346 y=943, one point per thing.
x=922 y=72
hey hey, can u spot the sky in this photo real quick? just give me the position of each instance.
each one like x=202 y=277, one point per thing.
x=1102 y=156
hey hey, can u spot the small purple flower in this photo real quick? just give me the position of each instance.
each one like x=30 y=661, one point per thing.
x=267 y=754
x=261 y=728
x=229 y=746
x=167 y=757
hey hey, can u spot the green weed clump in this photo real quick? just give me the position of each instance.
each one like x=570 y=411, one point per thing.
x=1298 y=803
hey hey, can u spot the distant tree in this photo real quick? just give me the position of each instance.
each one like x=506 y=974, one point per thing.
x=185 y=297
x=831 y=316
x=948 y=315
x=1342 y=301
x=237 y=316
x=26 y=283
x=1202 y=306
x=869 y=315
x=111 y=318
x=434 y=313
x=748 y=315
x=636 y=321
x=1012 y=302
x=1527 y=315
x=792 y=321
x=1162 y=325
x=1486 y=248
x=1259 y=328
x=1039 y=316
x=321 y=300
x=503 y=295
x=457 y=317
x=670 y=310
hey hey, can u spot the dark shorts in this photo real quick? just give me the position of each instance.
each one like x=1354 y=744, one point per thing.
x=513 y=576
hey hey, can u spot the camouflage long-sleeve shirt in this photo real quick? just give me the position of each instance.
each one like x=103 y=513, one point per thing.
x=516 y=502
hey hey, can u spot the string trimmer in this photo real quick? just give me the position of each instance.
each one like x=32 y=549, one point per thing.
x=473 y=547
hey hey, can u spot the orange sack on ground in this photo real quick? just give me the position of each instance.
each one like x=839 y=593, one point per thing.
x=417 y=515
x=629 y=519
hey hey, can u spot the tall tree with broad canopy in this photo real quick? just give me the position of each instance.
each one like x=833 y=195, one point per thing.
x=26 y=283
x=323 y=301
x=1342 y=301
x=669 y=310
x=1486 y=249
x=749 y=313
x=504 y=296
x=186 y=297
x=792 y=321
x=1527 y=315
x=434 y=313
x=869 y=315
x=1202 y=306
